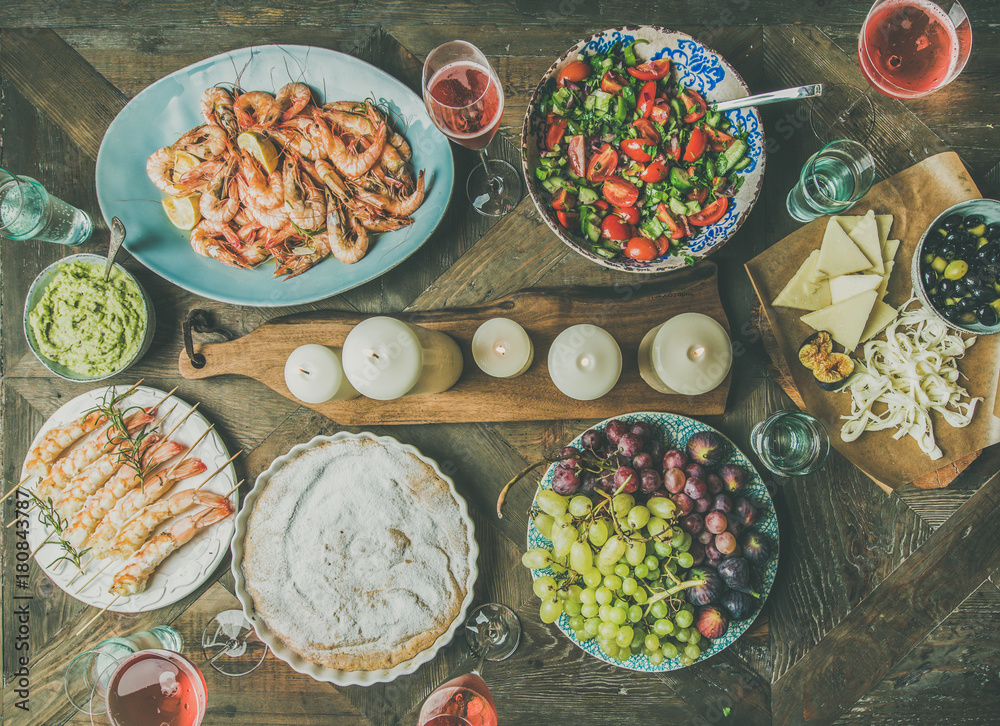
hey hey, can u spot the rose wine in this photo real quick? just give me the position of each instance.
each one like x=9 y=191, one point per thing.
x=462 y=701
x=908 y=48
x=156 y=688
x=466 y=101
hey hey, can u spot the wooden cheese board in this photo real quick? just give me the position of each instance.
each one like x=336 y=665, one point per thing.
x=628 y=312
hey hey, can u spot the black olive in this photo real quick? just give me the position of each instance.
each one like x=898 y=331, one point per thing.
x=947 y=287
x=951 y=221
x=985 y=293
x=947 y=250
x=932 y=243
x=993 y=231
x=973 y=220
x=952 y=314
x=929 y=277
x=987 y=315
x=955 y=236
x=984 y=252
x=961 y=287
x=966 y=304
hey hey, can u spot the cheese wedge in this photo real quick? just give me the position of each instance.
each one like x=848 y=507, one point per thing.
x=846 y=286
x=885 y=281
x=846 y=320
x=865 y=236
x=889 y=249
x=880 y=317
x=839 y=255
x=801 y=292
x=884 y=222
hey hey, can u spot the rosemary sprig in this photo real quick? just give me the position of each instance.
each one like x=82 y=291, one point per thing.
x=49 y=516
x=70 y=554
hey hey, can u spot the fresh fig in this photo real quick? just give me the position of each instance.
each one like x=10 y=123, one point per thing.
x=711 y=622
x=735 y=523
x=746 y=512
x=706 y=448
x=709 y=588
x=738 y=604
x=735 y=572
x=675 y=459
x=833 y=372
x=815 y=349
x=757 y=547
x=733 y=476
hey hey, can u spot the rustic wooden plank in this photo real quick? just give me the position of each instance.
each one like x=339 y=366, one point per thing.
x=913 y=600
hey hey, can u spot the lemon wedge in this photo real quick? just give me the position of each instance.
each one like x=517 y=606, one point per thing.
x=183 y=162
x=260 y=148
x=183 y=211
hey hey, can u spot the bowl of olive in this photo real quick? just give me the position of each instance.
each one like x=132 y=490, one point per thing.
x=956 y=268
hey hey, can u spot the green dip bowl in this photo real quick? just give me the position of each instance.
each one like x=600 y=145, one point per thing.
x=37 y=290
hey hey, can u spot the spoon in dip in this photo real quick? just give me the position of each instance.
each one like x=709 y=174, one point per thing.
x=117 y=239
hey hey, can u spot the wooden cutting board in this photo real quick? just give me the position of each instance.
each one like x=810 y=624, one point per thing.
x=628 y=312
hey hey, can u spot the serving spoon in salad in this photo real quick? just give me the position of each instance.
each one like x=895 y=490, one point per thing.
x=763 y=99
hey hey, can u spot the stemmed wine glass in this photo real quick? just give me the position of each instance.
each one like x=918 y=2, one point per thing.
x=465 y=99
x=493 y=633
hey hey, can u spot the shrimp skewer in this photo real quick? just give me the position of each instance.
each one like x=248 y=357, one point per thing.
x=95 y=476
x=132 y=536
x=77 y=460
x=133 y=502
x=98 y=504
x=40 y=458
x=134 y=576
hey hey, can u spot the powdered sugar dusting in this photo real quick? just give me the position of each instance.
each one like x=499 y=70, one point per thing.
x=357 y=555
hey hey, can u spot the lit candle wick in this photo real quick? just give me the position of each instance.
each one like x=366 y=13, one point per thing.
x=303 y=371
x=696 y=352
x=501 y=349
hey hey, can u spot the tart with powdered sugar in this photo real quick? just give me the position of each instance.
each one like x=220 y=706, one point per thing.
x=357 y=555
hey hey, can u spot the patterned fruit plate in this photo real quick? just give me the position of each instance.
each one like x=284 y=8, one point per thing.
x=693 y=65
x=675 y=431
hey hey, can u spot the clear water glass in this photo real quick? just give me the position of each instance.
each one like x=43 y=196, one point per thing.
x=29 y=212
x=833 y=179
x=791 y=443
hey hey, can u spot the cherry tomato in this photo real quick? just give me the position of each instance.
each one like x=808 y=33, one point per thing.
x=718 y=137
x=602 y=205
x=664 y=214
x=656 y=171
x=555 y=134
x=642 y=249
x=629 y=214
x=563 y=200
x=569 y=220
x=602 y=164
x=620 y=192
x=647 y=130
x=695 y=145
x=694 y=105
x=614 y=228
x=698 y=195
x=652 y=70
x=577 y=159
x=710 y=214
x=639 y=149
x=662 y=244
x=613 y=82
x=644 y=101
x=660 y=112
x=575 y=71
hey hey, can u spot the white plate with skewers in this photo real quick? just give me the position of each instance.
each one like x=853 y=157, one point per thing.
x=185 y=495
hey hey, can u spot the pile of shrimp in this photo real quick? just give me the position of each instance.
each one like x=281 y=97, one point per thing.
x=112 y=508
x=342 y=174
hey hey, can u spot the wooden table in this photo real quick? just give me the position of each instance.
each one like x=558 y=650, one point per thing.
x=885 y=609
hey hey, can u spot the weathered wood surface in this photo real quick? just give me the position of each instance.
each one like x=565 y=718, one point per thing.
x=850 y=554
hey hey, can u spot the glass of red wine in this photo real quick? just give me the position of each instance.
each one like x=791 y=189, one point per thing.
x=150 y=687
x=909 y=48
x=493 y=632
x=465 y=100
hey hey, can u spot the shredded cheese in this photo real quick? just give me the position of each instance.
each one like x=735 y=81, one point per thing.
x=906 y=376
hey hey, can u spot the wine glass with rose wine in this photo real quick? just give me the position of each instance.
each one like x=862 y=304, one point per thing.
x=493 y=632
x=465 y=100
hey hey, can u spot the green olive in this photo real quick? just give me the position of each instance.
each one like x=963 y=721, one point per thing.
x=929 y=258
x=982 y=241
x=939 y=264
x=949 y=301
x=979 y=230
x=956 y=269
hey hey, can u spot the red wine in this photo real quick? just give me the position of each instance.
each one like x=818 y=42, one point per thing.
x=156 y=688
x=908 y=48
x=462 y=701
x=467 y=103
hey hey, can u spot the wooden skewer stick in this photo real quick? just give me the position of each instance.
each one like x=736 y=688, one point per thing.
x=230 y=492
x=91 y=621
x=96 y=575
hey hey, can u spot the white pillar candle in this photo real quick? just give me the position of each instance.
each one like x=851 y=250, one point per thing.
x=502 y=348
x=585 y=362
x=314 y=374
x=690 y=354
x=385 y=358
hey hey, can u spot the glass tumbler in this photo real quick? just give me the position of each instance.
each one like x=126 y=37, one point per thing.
x=833 y=179
x=28 y=211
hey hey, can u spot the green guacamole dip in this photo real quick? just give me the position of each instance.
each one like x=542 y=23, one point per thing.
x=92 y=326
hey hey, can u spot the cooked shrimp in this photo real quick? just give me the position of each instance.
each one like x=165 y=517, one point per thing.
x=273 y=219
x=205 y=142
x=76 y=460
x=399 y=207
x=134 y=533
x=351 y=164
x=196 y=179
x=96 y=475
x=217 y=108
x=328 y=175
x=40 y=458
x=253 y=108
x=130 y=505
x=290 y=99
x=220 y=201
x=300 y=258
x=100 y=502
x=260 y=189
x=308 y=139
x=291 y=138
x=134 y=576
x=207 y=239
x=347 y=246
x=160 y=170
x=305 y=202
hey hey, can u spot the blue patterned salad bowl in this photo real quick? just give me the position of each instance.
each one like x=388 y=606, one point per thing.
x=694 y=65
x=675 y=431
